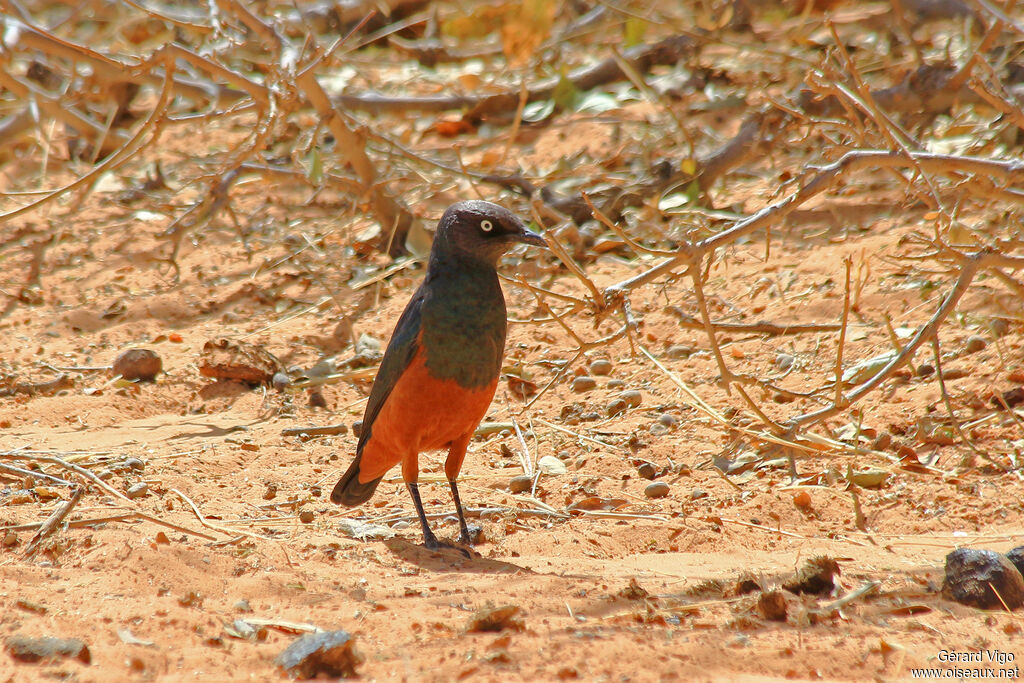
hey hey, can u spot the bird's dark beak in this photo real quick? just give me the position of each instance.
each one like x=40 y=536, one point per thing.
x=527 y=237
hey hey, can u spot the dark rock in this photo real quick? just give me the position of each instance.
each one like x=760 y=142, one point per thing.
x=772 y=605
x=496 y=619
x=26 y=649
x=979 y=578
x=1010 y=399
x=746 y=584
x=815 y=577
x=1016 y=556
x=634 y=591
x=141 y=365
x=331 y=653
x=647 y=471
x=357 y=428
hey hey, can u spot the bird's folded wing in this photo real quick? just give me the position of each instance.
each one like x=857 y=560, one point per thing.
x=401 y=350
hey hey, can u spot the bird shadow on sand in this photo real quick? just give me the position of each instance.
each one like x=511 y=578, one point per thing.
x=450 y=559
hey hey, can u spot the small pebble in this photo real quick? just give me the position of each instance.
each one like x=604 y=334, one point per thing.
x=520 y=484
x=134 y=464
x=668 y=420
x=281 y=381
x=139 y=490
x=658 y=489
x=328 y=653
x=1016 y=556
x=975 y=343
x=982 y=578
x=784 y=361
x=242 y=606
x=697 y=494
x=590 y=417
x=138 y=364
x=925 y=370
x=270 y=492
x=647 y=471
x=306 y=516
x=29 y=649
x=584 y=383
x=616 y=406
x=104 y=474
x=632 y=398
x=882 y=441
x=317 y=400
x=658 y=429
x=10 y=539
x=601 y=366
x=999 y=326
x=616 y=383
x=367 y=343
x=678 y=352
x=357 y=427
x=906 y=451
x=772 y=605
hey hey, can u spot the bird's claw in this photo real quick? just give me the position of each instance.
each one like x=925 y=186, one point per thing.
x=434 y=544
x=472 y=535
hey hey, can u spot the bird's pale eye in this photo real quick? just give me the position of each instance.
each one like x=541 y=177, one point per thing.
x=486 y=225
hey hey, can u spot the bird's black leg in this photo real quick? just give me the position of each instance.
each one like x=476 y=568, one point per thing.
x=429 y=539
x=464 y=535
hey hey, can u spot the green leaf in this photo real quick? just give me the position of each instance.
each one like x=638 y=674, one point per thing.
x=315 y=166
x=565 y=93
x=633 y=31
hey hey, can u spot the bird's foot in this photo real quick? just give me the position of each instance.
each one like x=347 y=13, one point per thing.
x=434 y=544
x=471 y=535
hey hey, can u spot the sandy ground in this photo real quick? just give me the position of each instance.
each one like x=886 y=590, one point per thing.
x=637 y=589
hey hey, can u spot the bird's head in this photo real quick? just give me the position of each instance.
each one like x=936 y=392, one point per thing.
x=481 y=231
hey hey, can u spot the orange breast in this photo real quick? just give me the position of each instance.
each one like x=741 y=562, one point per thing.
x=421 y=414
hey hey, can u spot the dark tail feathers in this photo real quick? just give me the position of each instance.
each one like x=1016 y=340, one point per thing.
x=349 y=492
